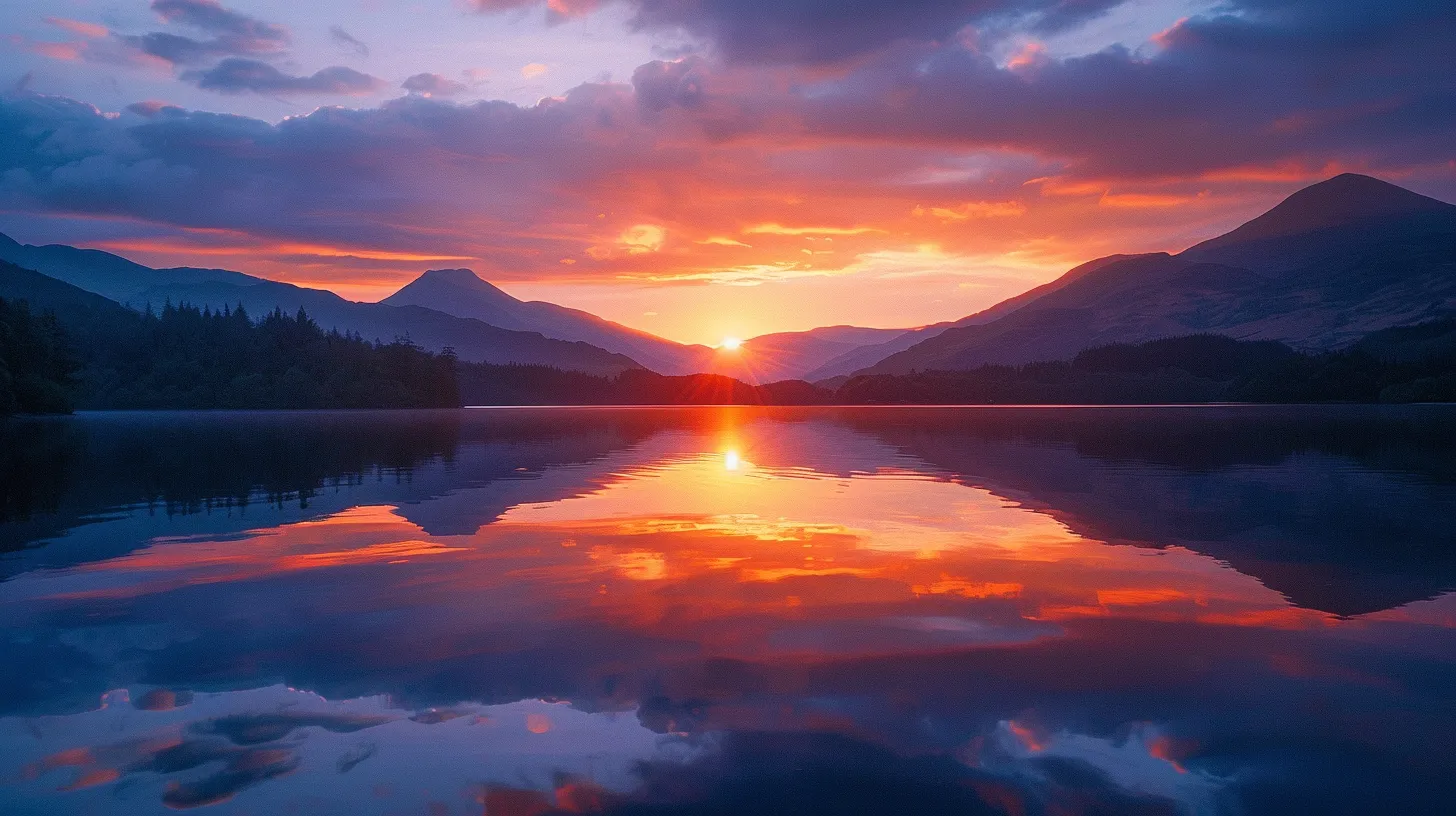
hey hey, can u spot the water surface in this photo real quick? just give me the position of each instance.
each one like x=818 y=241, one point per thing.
x=1019 y=611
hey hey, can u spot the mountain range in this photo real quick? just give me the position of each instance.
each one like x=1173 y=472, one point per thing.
x=1328 y=265
x=140 y=286
x=1331 y=263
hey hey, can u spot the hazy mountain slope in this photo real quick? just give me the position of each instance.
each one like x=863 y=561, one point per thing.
x=792 y=355
x=472 y=340
x=866 y=356
x=1316 y=272
x=763 y=359
x=462 y=293
x=108 y=275
x=87 y=316
x=44 y=292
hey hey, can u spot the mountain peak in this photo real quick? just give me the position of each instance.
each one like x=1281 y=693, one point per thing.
x=444 y=289
x=458 y=277
x=1345 y=199
x=436 y=280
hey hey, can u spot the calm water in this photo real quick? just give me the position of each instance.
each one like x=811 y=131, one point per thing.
x=516 y=612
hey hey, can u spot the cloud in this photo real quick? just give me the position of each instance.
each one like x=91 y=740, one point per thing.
x=1279 y=79
x=151 y=107
x=79 y=28
x=432 y=85
x=233 y=34
x=235 y=75
x=344 y=40
x=921 y=149
x=210 y=16
x=824 y=31
x=660 y=85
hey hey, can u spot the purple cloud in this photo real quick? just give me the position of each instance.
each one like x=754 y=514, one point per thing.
x=234 y=34
x=432 y=85
x=343 y=39
x=235 y=75
x=1280 y=84
x=821 y=31
x=210 y=16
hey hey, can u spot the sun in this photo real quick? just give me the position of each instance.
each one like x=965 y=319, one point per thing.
x=730 y=344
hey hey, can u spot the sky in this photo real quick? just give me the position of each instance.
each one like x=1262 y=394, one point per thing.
x=702 y=168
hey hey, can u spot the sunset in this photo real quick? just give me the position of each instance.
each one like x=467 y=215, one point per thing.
x=531 y=407
x=703 y=168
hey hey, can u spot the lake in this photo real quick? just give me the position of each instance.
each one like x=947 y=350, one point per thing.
x=1225 y=610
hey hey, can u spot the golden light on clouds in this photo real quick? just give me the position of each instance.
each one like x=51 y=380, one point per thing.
x=643 y=238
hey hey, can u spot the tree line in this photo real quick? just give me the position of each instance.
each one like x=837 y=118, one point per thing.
x=188 y=357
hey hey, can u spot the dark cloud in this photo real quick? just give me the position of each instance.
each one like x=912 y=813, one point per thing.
x=660 y=85
x=233 y=34
x=416 y=162
x=432 y=85
x=344 y=39
x=235 y=75
x=1066 y=14
x=1279 y=84
x=151 y=107
x=819 y=31
x=210 y=16
x=180 y=50
x=1279 y=81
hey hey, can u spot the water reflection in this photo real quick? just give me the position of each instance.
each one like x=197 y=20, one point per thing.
x=1234 y=610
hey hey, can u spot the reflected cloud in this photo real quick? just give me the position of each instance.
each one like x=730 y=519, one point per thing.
x=972 y=611
x=269 y=742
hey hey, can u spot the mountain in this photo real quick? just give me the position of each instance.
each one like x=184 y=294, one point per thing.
x=110 y=276
x=866 y=356
x=793 y=355
x=1346 y=214
x=763 y=359
x=462 y=293
x=139 y=286
x=1330 y=264
x=46 y=293
x=96 y=353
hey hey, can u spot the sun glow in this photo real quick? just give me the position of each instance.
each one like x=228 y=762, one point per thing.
x=730 y=344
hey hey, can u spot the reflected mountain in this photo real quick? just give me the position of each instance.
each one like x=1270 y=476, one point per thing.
x=1342 y=509
x=731 y=610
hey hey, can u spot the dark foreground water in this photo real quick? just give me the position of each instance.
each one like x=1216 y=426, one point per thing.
x=518 y=612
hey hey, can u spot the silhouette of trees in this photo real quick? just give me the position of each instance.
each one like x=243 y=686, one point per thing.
x=186 y=357
x=37 y=364
x=1408 y=364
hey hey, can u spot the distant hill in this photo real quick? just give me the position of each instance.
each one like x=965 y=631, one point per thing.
x=866 y=356
x=1332 y=263
x=108 y=275
x=462 y=293
x=139 y=286
x=63 y=347
x=763 y=359
x=795 y=355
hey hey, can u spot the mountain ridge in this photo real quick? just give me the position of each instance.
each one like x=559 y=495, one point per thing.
x=1316 y=272
x=140 y=286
